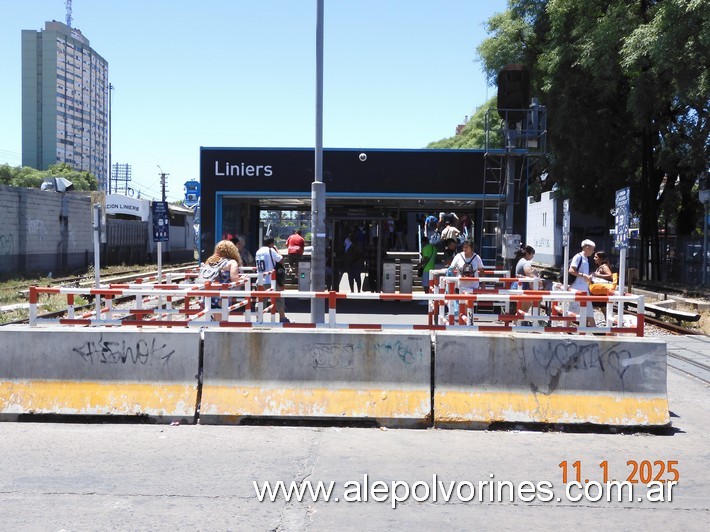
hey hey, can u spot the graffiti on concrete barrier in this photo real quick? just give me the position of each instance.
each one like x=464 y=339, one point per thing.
x=333 y=356
x=342 y=356
x=124 y=352
x=564 y=356
x=403 y=350
x=558 y=358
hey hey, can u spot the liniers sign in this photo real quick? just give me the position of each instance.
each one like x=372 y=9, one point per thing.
x=120 y=204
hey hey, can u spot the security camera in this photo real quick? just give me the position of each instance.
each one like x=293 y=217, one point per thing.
x=362 y=157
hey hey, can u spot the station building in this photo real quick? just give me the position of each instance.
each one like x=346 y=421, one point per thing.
x=372 y=188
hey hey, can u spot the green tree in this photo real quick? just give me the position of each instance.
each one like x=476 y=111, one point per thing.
x=28 y=177
x=626 y=88
x=80 y=180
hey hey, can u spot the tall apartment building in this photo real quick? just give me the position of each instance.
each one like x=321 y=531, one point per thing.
x=65 y=107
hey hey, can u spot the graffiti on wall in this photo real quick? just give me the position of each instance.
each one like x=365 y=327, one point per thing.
x=141 y=351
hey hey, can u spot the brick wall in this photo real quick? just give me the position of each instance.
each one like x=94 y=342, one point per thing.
x=43 y=231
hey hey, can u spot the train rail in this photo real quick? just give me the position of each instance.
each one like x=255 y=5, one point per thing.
x=691 y=355
x=130 y=275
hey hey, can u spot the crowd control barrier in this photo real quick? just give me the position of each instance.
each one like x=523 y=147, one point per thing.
x=99 y=371
x=481 y=379
x=317 y=374
x=190 y=305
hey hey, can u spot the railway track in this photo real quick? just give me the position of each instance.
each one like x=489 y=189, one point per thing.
x=125 y=276
x=688 y=351
x=691 y=356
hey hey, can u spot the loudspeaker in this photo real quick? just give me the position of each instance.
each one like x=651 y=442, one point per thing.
x=513 y=92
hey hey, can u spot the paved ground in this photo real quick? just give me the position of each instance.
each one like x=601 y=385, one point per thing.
x=58 y=476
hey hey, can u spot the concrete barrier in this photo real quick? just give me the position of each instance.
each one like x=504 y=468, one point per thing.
x=102 y=371
x=484 y=378
x=290 y=373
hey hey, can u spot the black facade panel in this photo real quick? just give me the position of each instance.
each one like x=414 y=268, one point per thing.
x=425 y=172
x=280 y=172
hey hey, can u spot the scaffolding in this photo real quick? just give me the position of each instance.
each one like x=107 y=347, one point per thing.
x=515 y=139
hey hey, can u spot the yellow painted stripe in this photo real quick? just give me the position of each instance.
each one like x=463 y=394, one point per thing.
x=314 y=402
x=452 y=407
x=86 y=397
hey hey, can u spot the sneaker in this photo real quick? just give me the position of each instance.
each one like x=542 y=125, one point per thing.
x=285 y=320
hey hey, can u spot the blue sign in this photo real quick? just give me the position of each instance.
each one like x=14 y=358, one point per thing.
x=565 y=222
x=161 y=221
x=622 y=216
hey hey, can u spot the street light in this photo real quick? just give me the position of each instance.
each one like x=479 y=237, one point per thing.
x=318 y=187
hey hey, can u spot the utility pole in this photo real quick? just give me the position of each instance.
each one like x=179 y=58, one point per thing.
x=159 y=244
x=110 y=89
x=318 y=187
x=163 y=175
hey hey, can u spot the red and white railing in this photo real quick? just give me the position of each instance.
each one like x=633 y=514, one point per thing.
x=246 y=304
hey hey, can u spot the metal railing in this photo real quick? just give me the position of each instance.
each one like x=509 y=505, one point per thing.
x=491 y=306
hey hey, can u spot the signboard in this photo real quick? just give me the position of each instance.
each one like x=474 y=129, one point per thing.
x=565 y=222
x=621 y=222
x=120 y=204
x=161 y=221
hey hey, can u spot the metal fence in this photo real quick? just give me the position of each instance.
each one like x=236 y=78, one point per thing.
x=681 y=257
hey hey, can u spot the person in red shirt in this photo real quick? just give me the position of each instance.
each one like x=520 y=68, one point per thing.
x=295 y=245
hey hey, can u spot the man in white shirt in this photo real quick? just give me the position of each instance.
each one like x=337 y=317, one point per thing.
x=579 y=267
x=266 y=258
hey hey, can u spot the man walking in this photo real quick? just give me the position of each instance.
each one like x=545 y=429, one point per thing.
x=268 y=259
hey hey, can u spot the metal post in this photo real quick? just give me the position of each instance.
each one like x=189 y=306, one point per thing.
x=110 y=89
x=318 y=239
x=621 y=285
x=159 y=248
x=509 y=181
x=565 y=268
x=97 y=256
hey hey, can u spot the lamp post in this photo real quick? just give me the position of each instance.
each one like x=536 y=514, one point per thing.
x=318 y=187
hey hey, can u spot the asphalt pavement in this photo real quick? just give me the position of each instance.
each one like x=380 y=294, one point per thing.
x=62 y=476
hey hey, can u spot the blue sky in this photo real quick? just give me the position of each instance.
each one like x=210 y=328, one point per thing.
x=238 y=73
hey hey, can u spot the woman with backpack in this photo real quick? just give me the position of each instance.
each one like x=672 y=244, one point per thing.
x=223 y=265
x=465 y=265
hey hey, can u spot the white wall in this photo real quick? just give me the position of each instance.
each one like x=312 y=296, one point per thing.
x=543 y=233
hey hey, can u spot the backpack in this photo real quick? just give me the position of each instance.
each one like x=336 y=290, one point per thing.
x=468 y=269
x=435 y=238
x=578 y=265
x=209 y=272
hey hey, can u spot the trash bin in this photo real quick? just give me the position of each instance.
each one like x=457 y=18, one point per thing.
x=389 y=275
x=406 y=271
x=304 y=276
